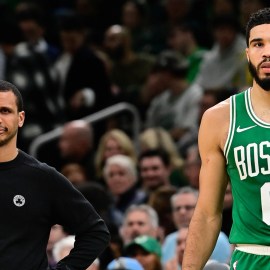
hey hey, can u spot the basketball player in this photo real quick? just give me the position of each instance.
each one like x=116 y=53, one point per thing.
x=234 y=143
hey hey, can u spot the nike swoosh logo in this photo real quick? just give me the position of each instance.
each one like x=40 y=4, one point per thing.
x=244 y=129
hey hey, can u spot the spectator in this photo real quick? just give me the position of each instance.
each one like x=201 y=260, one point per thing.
x=183 y=205
x=75 y=173
x=29 y=67
x=176 y=261
x=139 y=220
x=184 y=38
x=76 y=145
x=130 y=69
x=120 y=175
x=32 y=21
x=146 y=250
x=177 y=258
x=209 y=98
x=147 y=36
x=152 y=87
x=159 y=138
x=133 y=18
x=113 y=142
x=225 y=65
x=83 y=82
x=155 y=169
x=192 y=166
x=176 y=109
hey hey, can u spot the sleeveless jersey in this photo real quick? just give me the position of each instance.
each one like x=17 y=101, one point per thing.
x=247 y=151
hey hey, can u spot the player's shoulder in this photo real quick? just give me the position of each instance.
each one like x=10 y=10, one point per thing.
x=219 y=113
x=215 y=124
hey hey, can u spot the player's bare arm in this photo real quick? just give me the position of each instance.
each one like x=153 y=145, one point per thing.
x=206 y=221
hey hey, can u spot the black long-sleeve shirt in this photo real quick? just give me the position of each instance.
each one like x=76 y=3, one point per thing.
x=33 y=197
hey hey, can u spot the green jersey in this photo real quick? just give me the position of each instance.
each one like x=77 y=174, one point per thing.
x=247 y=152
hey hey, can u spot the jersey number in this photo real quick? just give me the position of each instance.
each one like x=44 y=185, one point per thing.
x=265 y=200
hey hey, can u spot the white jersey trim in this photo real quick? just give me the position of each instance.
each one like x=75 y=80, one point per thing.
x=231 y=127
x=251 y=112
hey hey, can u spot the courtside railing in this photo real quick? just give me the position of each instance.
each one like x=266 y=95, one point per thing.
x=98 y=116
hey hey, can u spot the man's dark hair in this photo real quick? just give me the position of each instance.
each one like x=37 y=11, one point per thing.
x=190 y=26
x=6 y=87
x=163 y=155
x=171 y=62
x=32 y=12
x=262 y=16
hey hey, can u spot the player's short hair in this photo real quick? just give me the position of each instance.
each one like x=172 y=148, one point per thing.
x=259 y=17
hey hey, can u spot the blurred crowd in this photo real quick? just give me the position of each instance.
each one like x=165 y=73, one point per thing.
x=172 y=60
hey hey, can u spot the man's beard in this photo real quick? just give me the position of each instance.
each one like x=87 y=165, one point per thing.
x=9 y=138
x=263 y=83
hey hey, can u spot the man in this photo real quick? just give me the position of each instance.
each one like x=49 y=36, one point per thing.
x=129 y=69
x=121 y=180
x=28 y=65
x=237 y=148
x=176 y=107
x=225 y=64
x=83 y=82
x=183 y=204
x=33 y=22
x=189 y=142
x=76 y=145
x=139 y=220
x=155 y=169
x=174 y=263
x=192 y=166
x=34 y=197
x=184 y=38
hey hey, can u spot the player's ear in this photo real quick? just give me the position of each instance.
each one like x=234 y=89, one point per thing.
x=21 y=118
x=247 y=54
